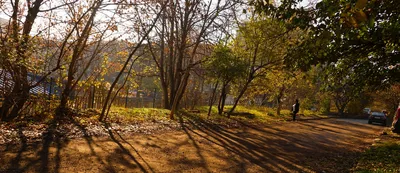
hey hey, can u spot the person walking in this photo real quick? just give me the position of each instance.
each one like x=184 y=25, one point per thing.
x=295 y=109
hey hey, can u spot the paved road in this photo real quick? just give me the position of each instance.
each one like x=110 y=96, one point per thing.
x=360 y=121
x=328 y=145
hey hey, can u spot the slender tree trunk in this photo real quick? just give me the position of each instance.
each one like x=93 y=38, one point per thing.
x=219 y=104
x=279 y=98
x=171 y=74
x=278 y=109
x=264 y=97
x=222 y=99
x=62 y=108
x=239 y=97
x=166 y=98
x=77 y=52
x=250 y=78
x=212 y=99
x=179 y=94
x=161 y=67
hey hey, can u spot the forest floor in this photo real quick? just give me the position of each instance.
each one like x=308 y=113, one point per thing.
x=189 y=144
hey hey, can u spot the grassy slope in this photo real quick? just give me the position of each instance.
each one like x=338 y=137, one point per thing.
x=242 y=113
x=255 y=114
x=382 y=157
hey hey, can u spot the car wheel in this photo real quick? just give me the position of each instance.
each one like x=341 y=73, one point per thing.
x=369 y=122
x=384 y=124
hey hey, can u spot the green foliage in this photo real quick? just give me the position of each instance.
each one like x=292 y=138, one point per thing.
x=262 y=43
x=224 y=65
x=137 y=114
x=356 y=106
x=343 y=83
x=254 y=114
x=390 y=97
x=362 y=33
x=325 y=105
x=307 y=104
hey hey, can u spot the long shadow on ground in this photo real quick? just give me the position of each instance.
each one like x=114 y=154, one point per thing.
x=201 y=146
x=50 y=137
x=273 y=149
x=45 y=156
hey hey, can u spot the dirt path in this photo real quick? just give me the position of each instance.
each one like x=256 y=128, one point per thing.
x=307 y=146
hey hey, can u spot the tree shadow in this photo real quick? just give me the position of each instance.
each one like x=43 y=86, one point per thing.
x=203 y=162
x=50 y=136
x=122 y=150
x=45 y=155
x=271 y=148
x=249 y=148
x=15 y=162
x=243 y=114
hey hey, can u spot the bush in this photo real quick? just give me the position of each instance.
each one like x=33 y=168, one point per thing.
x=325 y=105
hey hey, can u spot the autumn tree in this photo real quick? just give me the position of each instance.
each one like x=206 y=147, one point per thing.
x=279 y=83
x=17 y=50
x=261 y=43
x=225 y=68
x=143 y=28
x=183 y=35
x=84 y=17
x=390 y=96
x=342 y=82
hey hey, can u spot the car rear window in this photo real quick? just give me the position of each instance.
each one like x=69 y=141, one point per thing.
x=378 y=114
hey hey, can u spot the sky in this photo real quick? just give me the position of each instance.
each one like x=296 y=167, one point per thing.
x=59 y=15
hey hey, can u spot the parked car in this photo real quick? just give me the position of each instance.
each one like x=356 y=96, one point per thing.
x=367 y=111
x=377 y=117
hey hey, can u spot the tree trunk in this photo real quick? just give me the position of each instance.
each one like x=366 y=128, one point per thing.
x=219 y=104
x=222 y=98
x=278 y=109
x=20 y=93
x=264 y=97
x=239 y=97
x=341 y=106
x=279 y=102
x=161 y=66
x=212 y=99
x=15 y=101
x=171 y=62
x=341 y=111
x=166 y=98
x=62 y=107
x=179 y=95
x=76 y=54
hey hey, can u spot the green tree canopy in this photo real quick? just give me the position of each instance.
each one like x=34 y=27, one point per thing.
x=224 y=65
x=364 y=34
